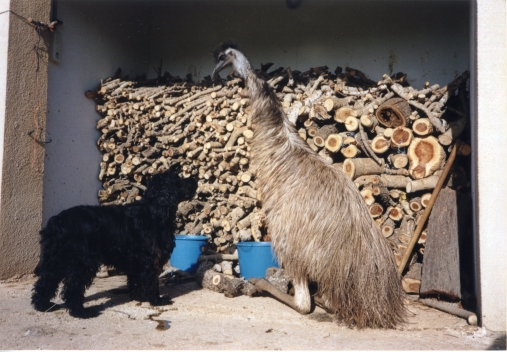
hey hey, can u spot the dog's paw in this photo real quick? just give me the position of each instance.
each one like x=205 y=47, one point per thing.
x=84 y=313
x=45 y=306
x=161 y=301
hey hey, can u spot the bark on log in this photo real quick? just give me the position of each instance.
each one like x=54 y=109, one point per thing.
x=343 y=113
x=393 y=113
x=454 y=131
x=319 y=139
x=361 y=166
x=398 y=160
x=411 y=285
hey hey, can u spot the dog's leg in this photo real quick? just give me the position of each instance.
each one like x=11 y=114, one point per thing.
x=153 y=294
x=134 y=285
x=144 y=287
x=78 y=278
x=45 y=289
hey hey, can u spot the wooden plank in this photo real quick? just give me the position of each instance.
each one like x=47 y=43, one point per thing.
x=441 y=263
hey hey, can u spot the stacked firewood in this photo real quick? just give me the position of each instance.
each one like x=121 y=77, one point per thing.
x=392 y=140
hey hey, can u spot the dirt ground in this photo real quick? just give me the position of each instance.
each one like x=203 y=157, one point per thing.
x=200 y=319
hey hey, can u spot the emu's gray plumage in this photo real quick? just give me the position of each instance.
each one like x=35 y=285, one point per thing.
x=320 y=226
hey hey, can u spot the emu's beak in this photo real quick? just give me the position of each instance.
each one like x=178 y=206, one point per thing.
x=219 y=67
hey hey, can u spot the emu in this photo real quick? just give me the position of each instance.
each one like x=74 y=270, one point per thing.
x=320 y=227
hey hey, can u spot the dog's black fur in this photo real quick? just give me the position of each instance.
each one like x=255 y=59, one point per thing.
x=136 y=239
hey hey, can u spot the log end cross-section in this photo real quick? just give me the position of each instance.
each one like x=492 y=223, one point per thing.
x=426 y=156
x=393 y=113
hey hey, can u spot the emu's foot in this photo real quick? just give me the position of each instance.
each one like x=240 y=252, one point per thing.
x=84 y=313
x=161 y=301
x=263 y=285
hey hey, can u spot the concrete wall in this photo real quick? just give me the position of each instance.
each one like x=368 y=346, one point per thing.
x=96 y=39
x=490 y=154
x=4 y=45
x=23 y=160
x=427 y=39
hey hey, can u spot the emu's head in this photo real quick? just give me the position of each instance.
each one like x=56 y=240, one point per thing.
x=227 y=54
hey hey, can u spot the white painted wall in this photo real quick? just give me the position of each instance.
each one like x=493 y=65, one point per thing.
x=427 y=39
x=490 y=181
x=97 y=38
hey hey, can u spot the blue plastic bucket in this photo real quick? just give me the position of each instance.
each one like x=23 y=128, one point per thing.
x=255 y=258
x=187 y=251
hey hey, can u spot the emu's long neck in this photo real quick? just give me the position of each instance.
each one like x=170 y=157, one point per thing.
x=275 y=137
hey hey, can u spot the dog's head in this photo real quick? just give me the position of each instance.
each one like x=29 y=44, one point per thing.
x=168 y=188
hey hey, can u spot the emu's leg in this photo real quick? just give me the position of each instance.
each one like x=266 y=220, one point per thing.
x=266 y=286
x=302 y=297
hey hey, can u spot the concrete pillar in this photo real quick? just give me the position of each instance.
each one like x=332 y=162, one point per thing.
x=490 y=157
x=24 y=110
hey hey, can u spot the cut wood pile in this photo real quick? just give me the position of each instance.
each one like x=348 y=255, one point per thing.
x=391 y=139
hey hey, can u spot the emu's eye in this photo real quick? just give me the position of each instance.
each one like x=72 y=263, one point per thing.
x=221 y=57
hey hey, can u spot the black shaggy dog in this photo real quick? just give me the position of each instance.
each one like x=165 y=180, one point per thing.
x=136 y=239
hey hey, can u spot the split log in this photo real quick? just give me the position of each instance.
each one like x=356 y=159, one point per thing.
x=278 y=278
x=422 y=220
x=426 y=156
x=318 y=112
x=368 y=196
